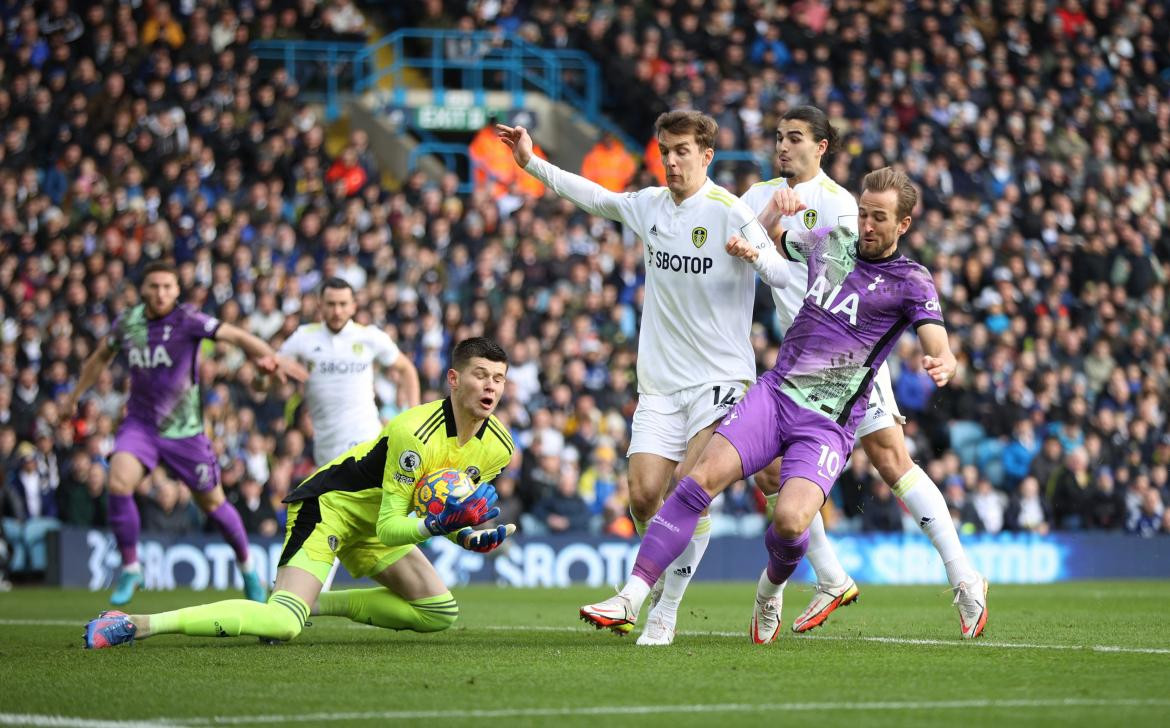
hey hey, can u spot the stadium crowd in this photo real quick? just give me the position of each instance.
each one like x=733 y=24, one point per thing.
x=1038 y=132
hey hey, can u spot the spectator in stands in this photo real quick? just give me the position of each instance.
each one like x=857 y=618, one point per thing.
x=1029 y=510
x=81 y=496
x=880 y=511
x=563 y=510
x=1018 y=454
x=166 y=508
x=30 y=501
x=609 y=164
x=991 y=505
x=1071 y=491
x=1147 y=520
x=255 y=510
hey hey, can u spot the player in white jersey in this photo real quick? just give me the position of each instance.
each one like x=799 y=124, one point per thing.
x=803 y=138
x=694 y=354
x=340 y=355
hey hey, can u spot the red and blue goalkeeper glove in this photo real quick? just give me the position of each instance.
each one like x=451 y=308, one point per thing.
x=486 y=539
x=470 y=511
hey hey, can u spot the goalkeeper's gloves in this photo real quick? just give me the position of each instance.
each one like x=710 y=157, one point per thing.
x=470 y=511
x=486 y=539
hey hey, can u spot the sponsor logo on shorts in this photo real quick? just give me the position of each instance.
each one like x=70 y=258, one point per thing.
x=731 y=418
x=409 y=461
x=333 y=542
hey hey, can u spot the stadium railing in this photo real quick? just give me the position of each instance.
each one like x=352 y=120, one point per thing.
x=482 y=62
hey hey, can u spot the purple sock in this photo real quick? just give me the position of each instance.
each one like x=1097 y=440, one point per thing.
x=671 y=530
x=227 y=519
x=783 y=554
x=126 y=524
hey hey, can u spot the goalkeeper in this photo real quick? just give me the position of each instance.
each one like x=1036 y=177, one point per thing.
x=357 y=507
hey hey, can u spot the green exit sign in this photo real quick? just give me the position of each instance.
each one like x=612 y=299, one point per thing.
x=453 y=118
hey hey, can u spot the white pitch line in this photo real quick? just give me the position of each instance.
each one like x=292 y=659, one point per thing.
x=61 y=721
x=978 y=643
x=595 y=710
x=885 y=640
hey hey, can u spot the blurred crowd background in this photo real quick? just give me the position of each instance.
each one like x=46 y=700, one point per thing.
x=1038 y=132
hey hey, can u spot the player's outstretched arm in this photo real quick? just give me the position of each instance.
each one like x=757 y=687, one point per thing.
x=588 y=195
x=409 y=390
x=938 y=360
x=260 y=352
x=766 y=260
x=101 y=357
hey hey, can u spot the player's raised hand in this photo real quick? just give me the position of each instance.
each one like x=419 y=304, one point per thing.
x=741 y=248
x=470 y=511
x=940 y=369
x=517 y=139
x=787 y=202
x=485 y=539
x=283 y=367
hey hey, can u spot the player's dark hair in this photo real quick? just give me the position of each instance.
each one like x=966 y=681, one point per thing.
x=688 y=121
x=888 y=178
x=476 y=346
x=818 y=124
x=336 y=284
x=160 y=266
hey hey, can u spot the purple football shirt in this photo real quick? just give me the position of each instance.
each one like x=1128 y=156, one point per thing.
x=853 y=314
x=163 y=354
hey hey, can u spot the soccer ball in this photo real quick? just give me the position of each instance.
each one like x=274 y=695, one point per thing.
x=434 y=490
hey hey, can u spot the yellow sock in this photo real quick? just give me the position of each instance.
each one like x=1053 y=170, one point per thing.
x=383 y=608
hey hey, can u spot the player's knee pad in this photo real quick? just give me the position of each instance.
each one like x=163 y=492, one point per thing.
x=435 y=614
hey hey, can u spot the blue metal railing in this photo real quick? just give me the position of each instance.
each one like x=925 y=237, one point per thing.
x=311 y=62
x=481 y=61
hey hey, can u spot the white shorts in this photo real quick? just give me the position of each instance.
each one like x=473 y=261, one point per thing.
x=882 y=411
x=664 y=423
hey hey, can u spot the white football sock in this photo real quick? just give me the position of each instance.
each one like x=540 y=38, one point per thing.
x=926 y=503
x=678 y=574
x=765 y=588
x=636 y=591
x=822 y=557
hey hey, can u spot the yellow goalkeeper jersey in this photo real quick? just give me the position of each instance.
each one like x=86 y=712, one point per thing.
x=373 y=482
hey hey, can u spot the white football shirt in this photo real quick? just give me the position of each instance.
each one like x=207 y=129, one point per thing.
x=340 y=390
x=697 y=313
x=828 y=203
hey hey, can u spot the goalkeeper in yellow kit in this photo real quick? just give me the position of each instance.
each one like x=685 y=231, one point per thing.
x=357 y=507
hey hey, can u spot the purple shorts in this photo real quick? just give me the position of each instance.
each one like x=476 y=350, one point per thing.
x=190 y=459
x=767 y=424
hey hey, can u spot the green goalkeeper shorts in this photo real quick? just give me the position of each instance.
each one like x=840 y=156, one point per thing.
x=320 y=530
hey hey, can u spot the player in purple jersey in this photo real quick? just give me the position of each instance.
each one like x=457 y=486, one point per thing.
x=803 y=137
x=164 y=415
x=861 y=297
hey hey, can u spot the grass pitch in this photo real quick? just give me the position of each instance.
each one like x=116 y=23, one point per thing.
x=1087 y=653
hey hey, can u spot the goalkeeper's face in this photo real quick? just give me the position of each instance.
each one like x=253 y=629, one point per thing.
x=477 y=388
